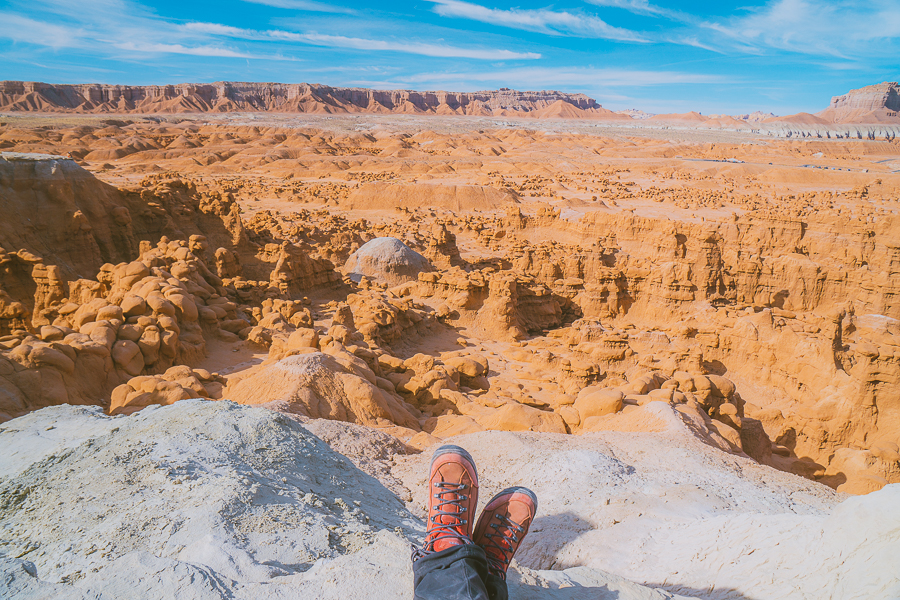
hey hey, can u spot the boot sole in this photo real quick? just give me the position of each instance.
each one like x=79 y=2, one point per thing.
x=450 y=449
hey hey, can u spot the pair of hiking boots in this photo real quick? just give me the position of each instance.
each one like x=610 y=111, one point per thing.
x=453 y=498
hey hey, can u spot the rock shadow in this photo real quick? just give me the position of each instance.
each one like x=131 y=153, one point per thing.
x=704 y=594
x=536 y=592
x=564 y=528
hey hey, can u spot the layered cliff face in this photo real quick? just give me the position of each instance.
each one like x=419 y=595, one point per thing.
x=870 y=104
x=804 y=306
x=867 y=113
x=226 y=96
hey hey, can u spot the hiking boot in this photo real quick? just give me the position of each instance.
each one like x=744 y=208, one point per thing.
x=503 y=525
x=452 y=499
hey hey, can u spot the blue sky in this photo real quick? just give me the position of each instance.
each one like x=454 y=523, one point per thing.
x=727 y=56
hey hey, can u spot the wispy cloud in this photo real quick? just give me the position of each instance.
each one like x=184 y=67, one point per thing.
x=689 y=40
x=541 y=20
x=23 y=29
x=192 y=50
x=636 y=6
x=121 y=27
x=305 y=5
x=339 y=41
x=838 y=28
x=138 y=40
x=583 y=78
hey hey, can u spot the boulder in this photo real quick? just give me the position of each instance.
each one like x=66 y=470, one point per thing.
x=594 y=401
x=386 y=260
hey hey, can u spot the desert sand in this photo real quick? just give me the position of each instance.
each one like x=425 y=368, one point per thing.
x=247 y=332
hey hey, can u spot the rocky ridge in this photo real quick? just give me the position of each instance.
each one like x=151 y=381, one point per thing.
x=867 y=113
x=212 y=500
x=871 y=104
x=228 y=96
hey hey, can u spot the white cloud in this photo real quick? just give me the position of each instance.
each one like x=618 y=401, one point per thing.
x=566 y=77
x=636 y=6
x=223 y=30
x=131 y=36
x=111 y=27
x=839 y=28
x=213 y=51
x=23 y=29
x=695 y=42
x=540 y=20
x=307 y=5
x=353 y=43
x=338 y=41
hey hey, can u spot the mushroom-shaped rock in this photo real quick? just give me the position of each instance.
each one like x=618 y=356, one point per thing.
x=386 y=260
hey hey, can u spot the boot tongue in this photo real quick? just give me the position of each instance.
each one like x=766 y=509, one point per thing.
x=445 y=531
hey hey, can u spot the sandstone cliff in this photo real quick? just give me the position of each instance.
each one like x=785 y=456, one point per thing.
x=227 y=96
x=871 y=104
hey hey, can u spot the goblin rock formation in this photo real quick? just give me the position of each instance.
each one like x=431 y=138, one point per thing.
x=756 y=296
x=386 y=260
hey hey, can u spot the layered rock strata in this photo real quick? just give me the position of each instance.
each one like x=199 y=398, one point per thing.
x=229 y=96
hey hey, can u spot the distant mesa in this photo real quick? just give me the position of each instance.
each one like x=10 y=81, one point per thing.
x=802 y=118
x=227 y=96
x=756 y=116
x=871 y=104
x=634 y=113
x=690 y=117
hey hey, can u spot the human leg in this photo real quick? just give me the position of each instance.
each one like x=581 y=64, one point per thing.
x=449 y=566
x=456 y=573
x=500 y=530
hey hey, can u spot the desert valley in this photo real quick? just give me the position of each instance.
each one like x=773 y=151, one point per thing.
x=235 y=319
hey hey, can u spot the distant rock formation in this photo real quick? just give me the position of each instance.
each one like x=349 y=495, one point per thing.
x=227 y=96
x=386 y=196
x=692 y=117
x=756 y=116
x=878 y=103
x=635 y=113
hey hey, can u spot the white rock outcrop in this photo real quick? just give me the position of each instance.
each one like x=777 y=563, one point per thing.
x=386 y=260
x=207 y=500
x=666 y=510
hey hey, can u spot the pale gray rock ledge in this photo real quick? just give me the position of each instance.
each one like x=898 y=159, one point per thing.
x=213 y=500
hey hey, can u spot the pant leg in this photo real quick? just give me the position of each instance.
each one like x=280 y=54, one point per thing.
x=496 y=587
x=457 y=573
